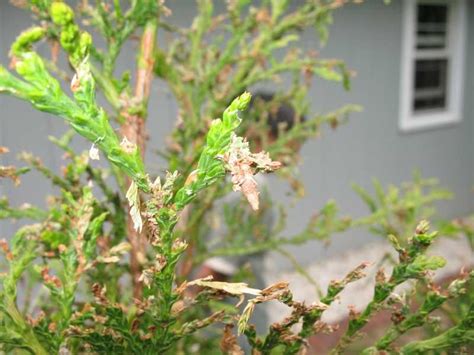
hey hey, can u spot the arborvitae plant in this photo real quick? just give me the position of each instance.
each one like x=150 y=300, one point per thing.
x=74 y=256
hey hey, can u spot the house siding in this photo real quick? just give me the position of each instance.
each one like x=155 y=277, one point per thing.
x=368 y=38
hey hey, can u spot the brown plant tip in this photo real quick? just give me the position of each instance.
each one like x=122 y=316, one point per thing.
x=181 y=288
x=6 y=249
x=228 y=342
x=249 y=188
x=318 y=306
x=397 y=317
x=353 y=313
x=99 y=294
x=243 y=165
x=52 y=327
x=34 y=322
x=135 y=325
x=357 y=273
x=13 y=62
x=380 y=277
x=422 y=227
x=100 y=319
x=11 y=173
x=276 y=288
x=288 y=337
x=177 y=308
x=50 y=280
x=322 y=327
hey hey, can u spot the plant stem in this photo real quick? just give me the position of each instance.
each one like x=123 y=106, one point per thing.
x=134 y=130
x=27 y=333
x=462 y=333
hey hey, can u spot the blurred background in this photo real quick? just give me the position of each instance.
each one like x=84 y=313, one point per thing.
x=416 y=89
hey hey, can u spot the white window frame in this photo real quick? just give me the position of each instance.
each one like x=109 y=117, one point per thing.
x=454 y=51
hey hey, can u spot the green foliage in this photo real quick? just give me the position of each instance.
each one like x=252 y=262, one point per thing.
x=432 y=301
x=25 y=211
x=44 y=92
x=90 y=296
x=218 y=140
x=413 y=264
x=397 y=210
x=463 y=333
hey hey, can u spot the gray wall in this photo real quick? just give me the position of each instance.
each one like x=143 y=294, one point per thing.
x=368 y=37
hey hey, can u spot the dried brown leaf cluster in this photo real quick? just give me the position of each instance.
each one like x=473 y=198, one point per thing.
x=243 y=165
x=9 y=171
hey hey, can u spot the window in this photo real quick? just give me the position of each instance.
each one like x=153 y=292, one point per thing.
x=432 y=63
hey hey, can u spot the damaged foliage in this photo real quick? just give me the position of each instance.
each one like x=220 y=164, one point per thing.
x=97 y=269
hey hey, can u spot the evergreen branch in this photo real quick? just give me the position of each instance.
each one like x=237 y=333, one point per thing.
x=23 y=252
x=461 y=334
x=434 y=299
x=24 y=211
x=413 y=264
x=44 y=92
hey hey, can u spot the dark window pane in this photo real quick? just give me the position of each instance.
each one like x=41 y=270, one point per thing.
x=430 y=84
x=432 y=26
